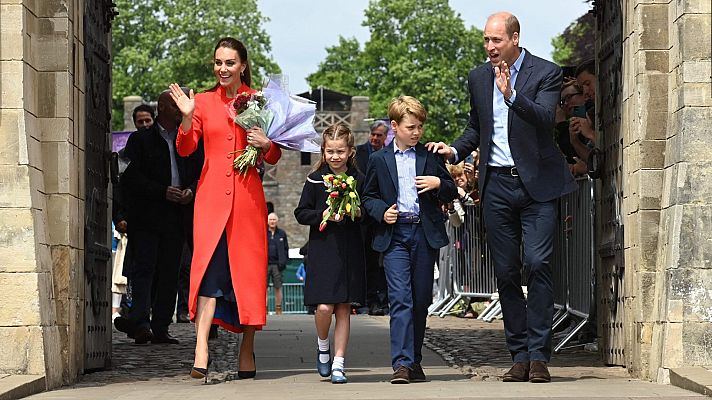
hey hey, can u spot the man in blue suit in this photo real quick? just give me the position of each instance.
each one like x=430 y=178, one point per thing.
x=522 y=175
x=405 y=185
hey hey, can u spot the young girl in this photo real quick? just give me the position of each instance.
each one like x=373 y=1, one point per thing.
x=336 y=271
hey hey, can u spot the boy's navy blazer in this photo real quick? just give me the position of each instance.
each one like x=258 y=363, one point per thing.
x=381 y=192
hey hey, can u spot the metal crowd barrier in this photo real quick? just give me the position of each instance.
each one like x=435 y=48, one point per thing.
x=292 y=298
x=466 y=268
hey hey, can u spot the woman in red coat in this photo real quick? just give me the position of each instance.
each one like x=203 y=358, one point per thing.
x=228 y=277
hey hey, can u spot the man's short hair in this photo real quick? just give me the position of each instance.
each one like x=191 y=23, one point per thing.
x=143 y=108
x=587 y=66
x=404 y=105
x=379 y=123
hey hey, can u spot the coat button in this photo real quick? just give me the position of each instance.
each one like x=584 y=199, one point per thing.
x=227 y=191
x=228 y=173
x=229 y=137
x=229 y=156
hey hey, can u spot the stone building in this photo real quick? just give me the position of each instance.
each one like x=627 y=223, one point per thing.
x=653 y=213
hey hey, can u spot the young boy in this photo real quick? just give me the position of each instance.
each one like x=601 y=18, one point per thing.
x=405 y=185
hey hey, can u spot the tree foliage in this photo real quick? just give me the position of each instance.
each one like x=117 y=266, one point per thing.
x=576 y=44
x=157 y=42
x=416 y=47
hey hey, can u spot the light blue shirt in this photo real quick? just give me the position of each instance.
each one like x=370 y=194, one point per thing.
x=170 y=138
x=500 y=154
x=407 y=192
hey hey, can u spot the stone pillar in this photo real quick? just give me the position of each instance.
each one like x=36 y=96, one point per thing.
x=667 y=107
x=130 y=102
x=41 y=199
x=359 y=112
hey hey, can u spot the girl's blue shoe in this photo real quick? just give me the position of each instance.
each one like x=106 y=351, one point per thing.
x=338 y=378
x=323 y=368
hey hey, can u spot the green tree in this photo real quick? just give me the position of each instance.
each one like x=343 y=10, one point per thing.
x=417 y=47
x=157 y=42
x=576 y=43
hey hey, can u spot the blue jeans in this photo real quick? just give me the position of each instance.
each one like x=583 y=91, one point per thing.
x=408 y=263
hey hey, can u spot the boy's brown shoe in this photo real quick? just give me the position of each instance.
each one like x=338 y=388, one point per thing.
x=417 y=374
x=518 y=373
x=538 y=372
x=401 y=375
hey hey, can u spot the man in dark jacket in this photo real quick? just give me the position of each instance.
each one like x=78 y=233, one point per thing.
x=277 y=257
x=376 y=288
x=158 y=188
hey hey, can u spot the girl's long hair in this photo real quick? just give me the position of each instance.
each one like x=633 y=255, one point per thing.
x=337 y=131
x=234 y=44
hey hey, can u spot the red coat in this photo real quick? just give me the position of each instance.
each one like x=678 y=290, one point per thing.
x=227 y=201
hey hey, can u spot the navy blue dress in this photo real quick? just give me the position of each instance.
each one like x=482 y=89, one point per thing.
x=217 y=283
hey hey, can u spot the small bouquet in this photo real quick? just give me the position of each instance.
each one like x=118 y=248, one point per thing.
x=250 y=110
x=287 y=120
x=343 y=198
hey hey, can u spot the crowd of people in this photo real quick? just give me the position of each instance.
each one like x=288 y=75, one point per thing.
x=180 y=197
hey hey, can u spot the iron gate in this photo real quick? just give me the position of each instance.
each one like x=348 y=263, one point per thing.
x=97 y=246
x=611 y=271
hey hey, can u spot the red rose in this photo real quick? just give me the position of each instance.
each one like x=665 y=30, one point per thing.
x=334 y=195
x=343 y=185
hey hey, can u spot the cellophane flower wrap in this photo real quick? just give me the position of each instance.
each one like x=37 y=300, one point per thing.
x=287 y=120
x=343 y=198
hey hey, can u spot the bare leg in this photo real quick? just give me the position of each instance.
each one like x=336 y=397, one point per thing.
x=342 y=328
x=203 y=318
x=322 y=317
x=247 y=349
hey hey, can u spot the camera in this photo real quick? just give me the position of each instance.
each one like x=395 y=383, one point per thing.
x=579 y=111
x=470 y=159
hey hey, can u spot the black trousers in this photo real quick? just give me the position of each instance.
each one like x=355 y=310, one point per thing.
x=516 y=222
x=154 y=273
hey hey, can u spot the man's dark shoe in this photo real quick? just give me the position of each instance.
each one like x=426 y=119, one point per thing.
x=401 y=375
x=417 y=374
x=164 y=338
x=538 y=372
x=518 y=373
x=376 y=310
x=142 y=336
x=125 y=325
x=182 y=318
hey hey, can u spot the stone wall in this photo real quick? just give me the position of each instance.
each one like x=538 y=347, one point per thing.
x=667 y=106
x=41 y=185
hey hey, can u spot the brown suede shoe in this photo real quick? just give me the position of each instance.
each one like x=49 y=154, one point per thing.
x=401 y=375
x=538 y=372
x=417 y=374
x=518 y=373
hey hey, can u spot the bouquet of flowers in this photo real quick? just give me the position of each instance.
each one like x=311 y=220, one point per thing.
x=343 y=198
x=287 y=120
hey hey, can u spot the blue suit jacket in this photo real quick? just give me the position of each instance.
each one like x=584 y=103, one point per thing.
x=381 y=192
x=541 y=166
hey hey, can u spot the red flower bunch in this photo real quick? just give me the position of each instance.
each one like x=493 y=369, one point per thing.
x=343 y=198
x=240 y=102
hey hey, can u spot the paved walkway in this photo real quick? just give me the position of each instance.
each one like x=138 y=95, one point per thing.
x=286 y=356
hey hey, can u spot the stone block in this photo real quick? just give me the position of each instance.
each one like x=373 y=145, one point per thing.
x=51 y=52
x=649 y=231
x=18 y=243
x=696 y=71
x=695 y=144
x=652 y=26
x=675 y=311
x=695 y=235
x=56 y=100
x=646 y=297
x=673 y=345
x=48 y=8
x=20 y=299
x=16 y=191
x=697 y=343
x=12 y=43
x=78 y=67
x=11 y=84
x=692 y=7
x=632 y=230
x=61 y=167
x=59 y=217
x=22 y=356
x=34 y=153
x=652 y=154
x=12 y=137
x=56 y=130
x=695 y=95
x=655 y=61
x=693 y=31
x=650 y=189
x=692 y=185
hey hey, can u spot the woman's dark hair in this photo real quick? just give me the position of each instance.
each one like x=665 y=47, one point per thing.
x=587 y=66
x=234 y=44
